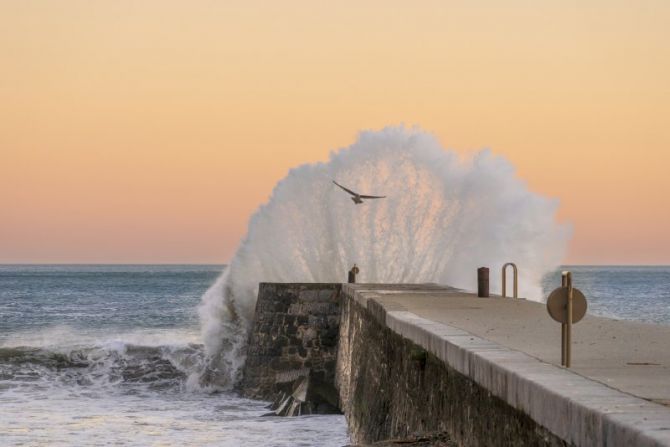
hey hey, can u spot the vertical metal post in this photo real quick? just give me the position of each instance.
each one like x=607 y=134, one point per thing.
x=483 y=282
x=564 y=283
x=568 y=329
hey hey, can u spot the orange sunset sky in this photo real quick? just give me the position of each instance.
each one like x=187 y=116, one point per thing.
x=149 y=131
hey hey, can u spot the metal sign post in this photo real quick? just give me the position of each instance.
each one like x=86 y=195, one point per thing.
x=564 y=283
x=568 y=327
x=567 y=305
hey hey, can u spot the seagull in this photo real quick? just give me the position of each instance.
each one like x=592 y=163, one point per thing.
x=358 y=198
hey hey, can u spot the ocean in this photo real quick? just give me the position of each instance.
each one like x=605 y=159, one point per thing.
x=638 y=293
x=111 y=355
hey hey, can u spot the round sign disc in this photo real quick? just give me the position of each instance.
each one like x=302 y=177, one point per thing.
x=557 y=305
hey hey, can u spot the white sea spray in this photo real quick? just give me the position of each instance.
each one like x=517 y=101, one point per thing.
x=444 y=217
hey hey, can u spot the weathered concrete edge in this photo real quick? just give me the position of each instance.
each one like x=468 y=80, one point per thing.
x=580 y=411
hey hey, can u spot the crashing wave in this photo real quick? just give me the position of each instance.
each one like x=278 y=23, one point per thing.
x=444 y=217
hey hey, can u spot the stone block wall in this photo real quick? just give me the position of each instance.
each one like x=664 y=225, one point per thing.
x=292 y=349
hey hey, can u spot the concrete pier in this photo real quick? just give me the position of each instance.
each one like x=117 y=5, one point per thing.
x=613 y=396
x=629 y=356
x=428 y=362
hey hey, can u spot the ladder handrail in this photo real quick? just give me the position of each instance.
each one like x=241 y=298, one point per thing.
x=516 y=279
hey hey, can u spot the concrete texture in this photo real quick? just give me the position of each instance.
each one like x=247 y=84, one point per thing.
x=508 y=346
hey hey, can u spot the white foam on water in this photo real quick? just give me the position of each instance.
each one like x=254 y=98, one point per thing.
x=64 y=337
x=59 y=418
x=444 y=217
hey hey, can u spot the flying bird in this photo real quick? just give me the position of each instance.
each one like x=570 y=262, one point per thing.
x=358 y=198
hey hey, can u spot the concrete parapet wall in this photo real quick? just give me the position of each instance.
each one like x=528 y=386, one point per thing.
x=399 y=374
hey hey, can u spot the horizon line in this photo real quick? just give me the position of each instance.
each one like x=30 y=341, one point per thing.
x=227 y=263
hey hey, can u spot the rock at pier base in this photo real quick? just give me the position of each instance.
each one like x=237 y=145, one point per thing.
x=426 y=440
x=303 y=400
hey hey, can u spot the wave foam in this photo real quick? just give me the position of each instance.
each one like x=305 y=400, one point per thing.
x=444 y=217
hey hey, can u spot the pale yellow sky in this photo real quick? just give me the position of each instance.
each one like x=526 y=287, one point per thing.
x=149 y=131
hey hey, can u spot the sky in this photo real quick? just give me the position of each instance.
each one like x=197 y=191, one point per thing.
x=149 y=131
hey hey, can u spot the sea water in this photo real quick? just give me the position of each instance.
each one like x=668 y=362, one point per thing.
x=640 y=293
x=111 y=355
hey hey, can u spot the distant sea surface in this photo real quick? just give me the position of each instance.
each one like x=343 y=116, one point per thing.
x=640 y=293
x=110 y=355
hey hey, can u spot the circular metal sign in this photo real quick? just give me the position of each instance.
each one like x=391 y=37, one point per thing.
x=557 y=305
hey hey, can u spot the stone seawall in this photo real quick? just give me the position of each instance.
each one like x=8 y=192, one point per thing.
x=399 y=373
x=392 y=388
x=318 y=348
x=292 y=348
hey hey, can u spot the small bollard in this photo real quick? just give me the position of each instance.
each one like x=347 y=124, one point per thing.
x=483 y=282
x=352 y=274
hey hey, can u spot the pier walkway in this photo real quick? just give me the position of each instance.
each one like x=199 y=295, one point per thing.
x=620 y=379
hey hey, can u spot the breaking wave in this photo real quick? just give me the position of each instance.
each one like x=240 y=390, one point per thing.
x=160 y=367
x=140 y=361
x=444 y=217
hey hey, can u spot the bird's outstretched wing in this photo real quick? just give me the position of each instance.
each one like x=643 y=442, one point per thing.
x=347 y=190
x=372 y=197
